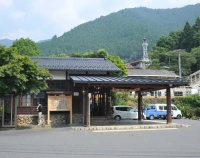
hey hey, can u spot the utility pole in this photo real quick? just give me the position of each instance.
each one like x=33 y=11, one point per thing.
x=179 y=63
x=179 y=60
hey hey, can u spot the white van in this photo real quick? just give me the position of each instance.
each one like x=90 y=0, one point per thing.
x=160 y=111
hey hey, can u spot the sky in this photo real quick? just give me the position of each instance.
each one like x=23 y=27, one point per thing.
x=42 y=19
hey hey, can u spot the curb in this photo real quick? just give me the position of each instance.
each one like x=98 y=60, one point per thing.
x=93 y=128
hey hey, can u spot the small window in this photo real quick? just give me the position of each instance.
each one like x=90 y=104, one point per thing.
x=26 y=100
x=178 y=93
x=152 y=107
x=161 y=108
x=41 y=97
x=174 y=108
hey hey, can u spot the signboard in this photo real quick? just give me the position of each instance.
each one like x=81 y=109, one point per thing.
x=59 y=102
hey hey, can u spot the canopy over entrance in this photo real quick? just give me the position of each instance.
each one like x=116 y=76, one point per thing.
x=144 y=84
x=138 y=85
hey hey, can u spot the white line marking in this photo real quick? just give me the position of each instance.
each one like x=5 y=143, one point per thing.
x=131 y=130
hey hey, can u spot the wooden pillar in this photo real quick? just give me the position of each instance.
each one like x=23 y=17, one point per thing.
x=169 y=117
x=84 y=106
x=139 y=106
x=103 y=102
x=108 y=102
x=87 y=107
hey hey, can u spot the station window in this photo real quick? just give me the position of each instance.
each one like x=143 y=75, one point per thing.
x=178 y=93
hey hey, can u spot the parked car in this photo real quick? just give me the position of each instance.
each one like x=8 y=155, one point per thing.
x=160 y=111
x=124 y=112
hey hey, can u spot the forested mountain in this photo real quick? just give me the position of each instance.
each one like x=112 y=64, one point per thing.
x=6 y=42
x=122 y=33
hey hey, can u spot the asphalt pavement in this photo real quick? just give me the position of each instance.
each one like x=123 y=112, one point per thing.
x=65 y=142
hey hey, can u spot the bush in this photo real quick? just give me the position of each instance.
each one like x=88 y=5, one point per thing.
x=189 y=106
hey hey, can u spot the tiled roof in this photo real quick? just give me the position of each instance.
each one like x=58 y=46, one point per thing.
x=151 y=73
x=195 y=73
x=85 y=64
x=107 y=80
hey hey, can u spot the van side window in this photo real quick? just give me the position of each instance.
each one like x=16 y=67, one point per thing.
x=174 y=108
x=160 y=107
x=152 y=107
x=165 y=107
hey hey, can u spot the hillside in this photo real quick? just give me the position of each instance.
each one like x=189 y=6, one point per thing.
x=121 y=33
x=6 y=42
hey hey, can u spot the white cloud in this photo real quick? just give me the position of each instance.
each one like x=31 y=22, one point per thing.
x=18 y=16
x=6 y=3
x=41 y=19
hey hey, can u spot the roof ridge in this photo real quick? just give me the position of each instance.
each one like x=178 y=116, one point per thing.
x=66 y=58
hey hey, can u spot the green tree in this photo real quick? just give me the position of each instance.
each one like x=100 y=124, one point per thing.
x=196 y=33
x=170 y=42
x=19 y=75
x=120 y=64
x=187 y=60
x=26 y=47
x=196 y=53
x=162 y=58
x=186 y=37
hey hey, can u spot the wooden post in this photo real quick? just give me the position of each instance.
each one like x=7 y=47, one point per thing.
x=169 y=117
x=84 y=106
x=139 y=106
x=108 y=102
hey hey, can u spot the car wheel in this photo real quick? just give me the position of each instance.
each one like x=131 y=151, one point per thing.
x=151 y=117
x=118 y=118
x=178 y=117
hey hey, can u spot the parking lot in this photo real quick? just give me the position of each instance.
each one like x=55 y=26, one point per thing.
x=67 y=142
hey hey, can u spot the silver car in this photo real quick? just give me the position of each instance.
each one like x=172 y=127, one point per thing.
x=124 y=112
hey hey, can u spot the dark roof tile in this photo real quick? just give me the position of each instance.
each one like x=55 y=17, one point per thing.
x=151 y=73
x=124 y=80
x=84 y=64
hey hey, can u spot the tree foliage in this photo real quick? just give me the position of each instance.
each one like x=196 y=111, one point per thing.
x=19 y=75
x=26 y=47
x=189 y=106
x=187 y=41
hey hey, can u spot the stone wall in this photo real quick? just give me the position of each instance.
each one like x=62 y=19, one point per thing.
x=77 y=119
x=29 y=119
x=56 y=119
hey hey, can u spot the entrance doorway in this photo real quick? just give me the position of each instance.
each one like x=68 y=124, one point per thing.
x=8 y=111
